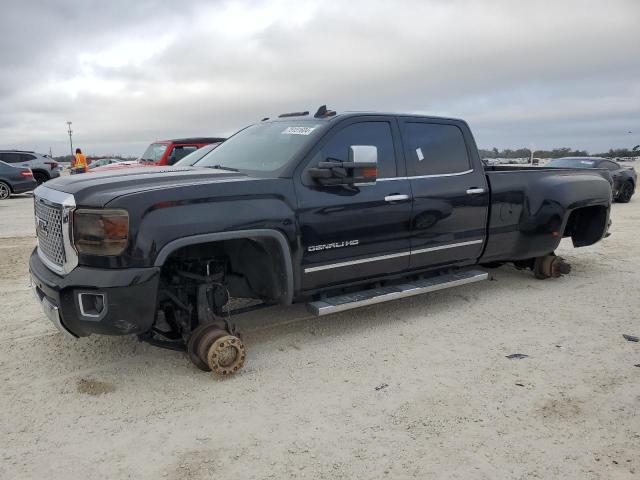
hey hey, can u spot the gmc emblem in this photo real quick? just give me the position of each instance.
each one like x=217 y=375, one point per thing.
x=42 y=226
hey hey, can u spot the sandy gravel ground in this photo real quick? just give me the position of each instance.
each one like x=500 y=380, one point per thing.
x=418 y=388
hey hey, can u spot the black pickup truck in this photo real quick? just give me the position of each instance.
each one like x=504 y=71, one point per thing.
x=335 y=210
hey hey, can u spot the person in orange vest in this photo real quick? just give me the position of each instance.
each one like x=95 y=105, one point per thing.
x=79 y=164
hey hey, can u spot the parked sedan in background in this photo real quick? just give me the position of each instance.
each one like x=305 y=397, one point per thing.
x=15 y=180
x=624 y=178
x=101 y=162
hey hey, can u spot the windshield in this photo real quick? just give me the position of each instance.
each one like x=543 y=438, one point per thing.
x=193 y=157
x=263 y=147
x=572 y=163
x=154 y=152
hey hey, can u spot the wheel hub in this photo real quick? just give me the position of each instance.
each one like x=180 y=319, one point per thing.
x=226 y=355
x=550 y=266
x=212 y=348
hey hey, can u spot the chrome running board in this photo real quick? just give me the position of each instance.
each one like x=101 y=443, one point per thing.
x=348 y=301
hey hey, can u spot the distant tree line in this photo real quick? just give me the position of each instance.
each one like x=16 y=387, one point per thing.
x=557 y=153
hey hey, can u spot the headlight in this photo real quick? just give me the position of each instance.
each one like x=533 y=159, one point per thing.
x=100 y=232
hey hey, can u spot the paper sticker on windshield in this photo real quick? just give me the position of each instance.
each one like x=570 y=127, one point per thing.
x=586 y=162
x=298 y=130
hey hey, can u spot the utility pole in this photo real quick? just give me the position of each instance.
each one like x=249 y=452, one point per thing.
x=70 y=140
x=531 y=150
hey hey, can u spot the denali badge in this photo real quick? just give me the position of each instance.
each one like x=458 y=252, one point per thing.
x=327 y=246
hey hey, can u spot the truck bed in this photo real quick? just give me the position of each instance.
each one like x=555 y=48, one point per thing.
x=530 y=205
x=520 y=168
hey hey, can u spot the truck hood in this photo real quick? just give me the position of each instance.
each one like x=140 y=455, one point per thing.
x=99 y=188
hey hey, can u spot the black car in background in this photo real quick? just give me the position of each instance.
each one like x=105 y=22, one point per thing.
x=15 y=180
x=624 y=178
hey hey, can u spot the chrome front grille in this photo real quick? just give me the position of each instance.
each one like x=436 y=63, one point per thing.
x=53 y=211
x=49 y=231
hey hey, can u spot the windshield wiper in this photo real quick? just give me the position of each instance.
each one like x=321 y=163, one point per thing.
x=220 y=167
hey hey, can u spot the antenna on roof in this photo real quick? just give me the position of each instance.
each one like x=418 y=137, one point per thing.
x=264 y=119
x=323 y=112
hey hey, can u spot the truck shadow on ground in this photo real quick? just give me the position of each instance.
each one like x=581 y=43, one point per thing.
x=276 y=329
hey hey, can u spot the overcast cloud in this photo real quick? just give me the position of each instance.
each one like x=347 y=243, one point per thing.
x=542 y=73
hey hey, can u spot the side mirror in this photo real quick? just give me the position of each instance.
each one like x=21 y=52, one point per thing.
x=360 y=169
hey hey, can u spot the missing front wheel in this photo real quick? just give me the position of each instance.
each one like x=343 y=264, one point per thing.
x=213 y=347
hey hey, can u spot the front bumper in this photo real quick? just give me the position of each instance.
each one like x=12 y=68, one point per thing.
x=51 y=311
x=129 y=298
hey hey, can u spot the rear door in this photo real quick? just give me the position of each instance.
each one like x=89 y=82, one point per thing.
x=450 y=194
x=355 y=232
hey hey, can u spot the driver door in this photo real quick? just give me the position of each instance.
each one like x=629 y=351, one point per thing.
x=352 y=232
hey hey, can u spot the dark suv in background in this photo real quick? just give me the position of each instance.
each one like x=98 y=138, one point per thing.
x=43 y=167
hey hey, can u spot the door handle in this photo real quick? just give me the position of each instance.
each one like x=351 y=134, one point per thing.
x=475 y=191
x=396 y=198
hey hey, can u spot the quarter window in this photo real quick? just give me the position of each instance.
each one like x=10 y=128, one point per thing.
x=12 y=157
x=434 y=149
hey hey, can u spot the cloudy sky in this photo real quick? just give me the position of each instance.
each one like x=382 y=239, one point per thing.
x=127 y=72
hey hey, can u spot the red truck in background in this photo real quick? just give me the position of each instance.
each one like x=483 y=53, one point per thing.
x=164 y=152
x=168 y=152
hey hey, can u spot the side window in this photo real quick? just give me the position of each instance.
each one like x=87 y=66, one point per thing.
x=364 y=133
x=434 y=149
x=180 y=152
x=25 y=157
x=609 y=165
x=12 y=157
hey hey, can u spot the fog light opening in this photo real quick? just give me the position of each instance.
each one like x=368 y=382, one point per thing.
x=91 y=304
